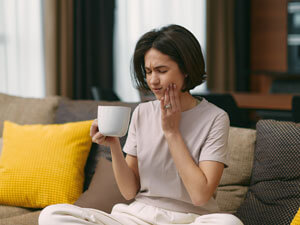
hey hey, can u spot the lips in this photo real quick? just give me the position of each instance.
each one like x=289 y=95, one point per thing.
x=156 y=90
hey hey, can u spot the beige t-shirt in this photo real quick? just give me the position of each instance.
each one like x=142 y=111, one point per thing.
x=205 y=131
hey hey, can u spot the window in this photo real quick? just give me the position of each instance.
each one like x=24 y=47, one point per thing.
x=135 y=17
x=21 y=48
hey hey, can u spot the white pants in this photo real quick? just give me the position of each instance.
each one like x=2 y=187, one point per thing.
x=134 y=214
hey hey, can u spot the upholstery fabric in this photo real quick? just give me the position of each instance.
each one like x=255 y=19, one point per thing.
x=296 y=220
x=10 y=211
x=22 y=219
x=1 y=143
x=43 y=164
x=103 y=192
x=11 y=215
x=78 y=110
x=230 y=197
x=273 y=196
x=27 y=110
x=236 y=177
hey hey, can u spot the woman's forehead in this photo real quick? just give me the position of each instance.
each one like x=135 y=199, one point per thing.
x=154 y=58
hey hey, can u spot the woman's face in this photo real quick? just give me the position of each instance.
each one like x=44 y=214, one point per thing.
x=161 y=71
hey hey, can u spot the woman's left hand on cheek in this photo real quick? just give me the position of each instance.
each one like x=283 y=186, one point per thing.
x=170 y=110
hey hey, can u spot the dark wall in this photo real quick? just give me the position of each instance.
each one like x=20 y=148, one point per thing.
x=242 y=44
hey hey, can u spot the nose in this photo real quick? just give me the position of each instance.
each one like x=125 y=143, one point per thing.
x=154 y=79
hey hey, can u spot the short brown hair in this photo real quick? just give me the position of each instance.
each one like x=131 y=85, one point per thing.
x=180 y=45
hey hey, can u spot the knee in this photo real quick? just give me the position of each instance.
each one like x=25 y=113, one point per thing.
x=49 y=215
x=230 y=219
x=219 y=218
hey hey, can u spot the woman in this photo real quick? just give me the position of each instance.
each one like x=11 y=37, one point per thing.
x=176 y=145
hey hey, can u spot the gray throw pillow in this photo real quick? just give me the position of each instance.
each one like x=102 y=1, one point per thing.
x=27 y=110
x=103 y=192
x=235 y=180
x=274 y=193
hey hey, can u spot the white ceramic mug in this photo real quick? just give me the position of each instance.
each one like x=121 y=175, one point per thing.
x=113 y=120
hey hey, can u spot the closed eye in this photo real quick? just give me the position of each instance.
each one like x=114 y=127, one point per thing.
x=162 y=71
x=148 y=72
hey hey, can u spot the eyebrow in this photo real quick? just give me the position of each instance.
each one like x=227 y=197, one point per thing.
x=157 y=67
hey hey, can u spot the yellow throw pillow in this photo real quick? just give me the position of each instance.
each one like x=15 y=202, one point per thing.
x=42 y=165
x=296 y=220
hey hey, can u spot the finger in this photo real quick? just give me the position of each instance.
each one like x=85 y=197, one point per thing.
x=176 y=97
x=94 y=128
x=101 y=140
x=167 y=96
x=172 y=98
x=97 y=137
x=162 y=106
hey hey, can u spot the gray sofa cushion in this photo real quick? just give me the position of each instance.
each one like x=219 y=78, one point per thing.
x=78 y=110
x=30 y=218
x=10 y=215
x=103 y=192
x=27 y=110
x=236 y=177
x=10 y=211
x=274 y=193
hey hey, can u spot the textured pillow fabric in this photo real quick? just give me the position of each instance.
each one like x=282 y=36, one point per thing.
x=43 y=164
x=1 y=143
x=78 y=110
x=274 y=193
x=27 y=110
x=13 y=211
x=30 y=218
x=103 y=192
x=236 y=177
x=296 y=220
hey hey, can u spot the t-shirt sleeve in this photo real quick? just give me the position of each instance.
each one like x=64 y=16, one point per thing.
x=130 y=146
x=214 y=148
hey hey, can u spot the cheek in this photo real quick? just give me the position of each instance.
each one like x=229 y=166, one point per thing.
x=173 y=78
x=178 y=80
x=179 y=83
x=148 y=81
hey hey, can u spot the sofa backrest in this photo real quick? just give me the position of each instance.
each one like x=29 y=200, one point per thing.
x=27 y=110
x=235 y=180
x=236 y=177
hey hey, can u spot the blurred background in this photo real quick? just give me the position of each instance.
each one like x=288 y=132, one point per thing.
x=82 y=49
x=76 y=48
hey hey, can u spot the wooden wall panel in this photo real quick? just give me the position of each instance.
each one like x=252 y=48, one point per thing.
x=269 y=35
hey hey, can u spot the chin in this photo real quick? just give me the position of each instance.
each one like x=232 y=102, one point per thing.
x=157 y=96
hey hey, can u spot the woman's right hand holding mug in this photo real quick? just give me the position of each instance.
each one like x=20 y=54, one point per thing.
x=99 y=138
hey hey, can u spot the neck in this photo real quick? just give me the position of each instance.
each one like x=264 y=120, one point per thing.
x=187 y=101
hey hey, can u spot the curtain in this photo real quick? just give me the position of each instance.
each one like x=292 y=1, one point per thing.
x=21 y=48
x=93 y=50
x=242 y=43
x=135 y=17
x=78 y=46
x=220 y=46
x=58 y=39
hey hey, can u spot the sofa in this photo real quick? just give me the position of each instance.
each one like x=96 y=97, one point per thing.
x=261 y=184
